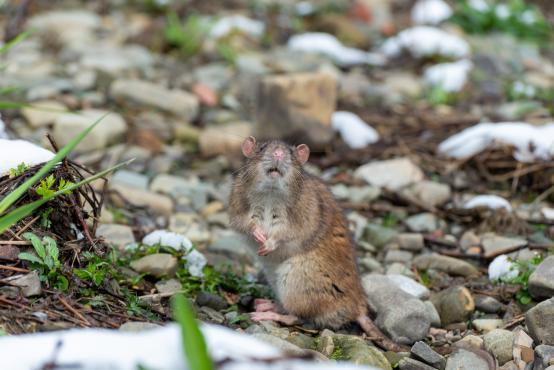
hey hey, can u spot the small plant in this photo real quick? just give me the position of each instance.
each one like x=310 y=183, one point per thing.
x=338 y=354
x=45 y=217
x=19 y=170
x=95 y=271
x=46 y=188
x=45 y=260
x=525 y=269
x=438 y=96
x=189 y=36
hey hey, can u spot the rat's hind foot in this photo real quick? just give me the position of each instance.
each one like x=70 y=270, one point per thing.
x=263 y=305
x=288 y=320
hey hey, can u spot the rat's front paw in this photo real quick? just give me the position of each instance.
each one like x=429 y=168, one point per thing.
x=259 y=235
x=269 y=246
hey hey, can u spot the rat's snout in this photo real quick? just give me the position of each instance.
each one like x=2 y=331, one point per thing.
x=278 y=154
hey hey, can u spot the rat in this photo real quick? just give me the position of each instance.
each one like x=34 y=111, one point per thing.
x=302 y=240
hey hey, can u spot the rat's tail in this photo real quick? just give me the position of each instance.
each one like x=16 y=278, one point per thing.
x=375 y=335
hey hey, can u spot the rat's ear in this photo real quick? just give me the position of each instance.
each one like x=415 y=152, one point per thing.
x=249 y=146
x=302 y=153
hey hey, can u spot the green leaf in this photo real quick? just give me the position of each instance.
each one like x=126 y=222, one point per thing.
x=51 y=248
x=30 y=257
x=98 y=277
x=194 y=345
x=20 y=190
x=17 y=214
x=62 y=283
x=37 y=244
x=22 y=36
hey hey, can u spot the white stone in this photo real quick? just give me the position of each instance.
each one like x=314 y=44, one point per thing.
x=392 y=174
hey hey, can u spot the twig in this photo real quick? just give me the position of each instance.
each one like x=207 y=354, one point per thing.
x=73 y=310
x=12 y=268
x=27 y=226
x=15 y=242
x=516 y=320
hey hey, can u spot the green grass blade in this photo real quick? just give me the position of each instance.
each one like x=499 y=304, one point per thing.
x=17 y=214
x=20 y=190
x=22 y=36
x=194 y=345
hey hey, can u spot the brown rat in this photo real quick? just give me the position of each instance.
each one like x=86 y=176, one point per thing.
x=303 y=239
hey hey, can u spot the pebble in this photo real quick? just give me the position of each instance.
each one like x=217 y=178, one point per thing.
x=211 y=300
x=487 y=325
x=425 y=353
x=487 y=304
x=110 y=129
x=158 y=264
x=392 y=174
x=410 y=241
x=399 y=314
x=411 y=364
x=131 y=179
x=445 y=264
x=396 y=255
x=212 y=315
x=469 y=239
x=43 y=113
x=499 y=342
x=544 y=357
x=540 y=323
x=423 y=223
x=379 y=235
x=410 y=286
x=232 y=243
x=429 y=193
x=224 y=139
x=170 y=286
x=138 y=326
x=357 y=351
x=29 y=283
x=143 y=93
x=296 y=106
x=116 y=235
x=494 y=245
x=157 y=202
x=541 y=281
x=177 y=187
x=454 y=304
x=281 y=344
x=463 y=359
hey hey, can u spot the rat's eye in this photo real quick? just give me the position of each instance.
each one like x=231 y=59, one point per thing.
x=262 y=147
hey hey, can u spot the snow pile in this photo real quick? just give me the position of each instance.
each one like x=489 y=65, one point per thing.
x=3 y=133
x=355 y=132
x=195 y=260
x=101 y=349
x=237 y=22
x=502 y=268
x=331 y=47
x=430 y=12
x=409 y=286
x=531 y=142
x=425 y=41
x=15 y=152
x=450 y=77
x=479 y=5
x=548 y=213
x=489 y=201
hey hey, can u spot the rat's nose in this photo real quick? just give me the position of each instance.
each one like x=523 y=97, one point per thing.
x=278 y=154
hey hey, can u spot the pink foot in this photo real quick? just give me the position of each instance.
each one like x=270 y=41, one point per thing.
x=259 y=235
x=263 y=305
x=274 y=316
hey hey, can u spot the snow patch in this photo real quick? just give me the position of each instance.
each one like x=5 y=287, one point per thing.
x=548 y=213
x=331 y=47
x=237 y=22
x=450 y=77
x=353 y=130
x=502 y=268
x=430 y=12
x=14 y=152
x=531 y=142
x=195 y=260
x=409 y=286
x=3 y=133
x=425 y=41
x=490 y=201
x=479 y=5
x=161 y=349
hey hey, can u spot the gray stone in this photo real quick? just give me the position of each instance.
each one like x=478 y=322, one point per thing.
x=170 y=286
x=157 y=202
x=130 y=178
x=379 y=235
x=29 y=283
x=411 y=364
x=115 y=60
x=469 y=239
x=544 y=357
x=392 y=174
x=178 y=102
x=296 y=106
x=487 y=325
x=158 y=264
x=540 y=322
x=397 y=255
x=541 y=281
x=409 y=285
x=410 y=241
x=499 y=342
x=425 y=353
x=446 y=264
x=109 y=130
x=463 y=359
x=177 y=187
x=138 y=326
x=82 y=24
x=43 y=113
x=117 y=235
x=212 y=315
x=423 y=223
x=470 y=341
x=429 y=193
x=487 y=304
x=232 y=243
x=494 y=245
x=326 y=344
x=224 y=139
x=357 y=351
x=211 y=300
x=433 y=314
x=281 y=344
x=454 y=304
x=400 y=315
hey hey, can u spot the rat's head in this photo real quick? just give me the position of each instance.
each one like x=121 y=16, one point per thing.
x=276 y=163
